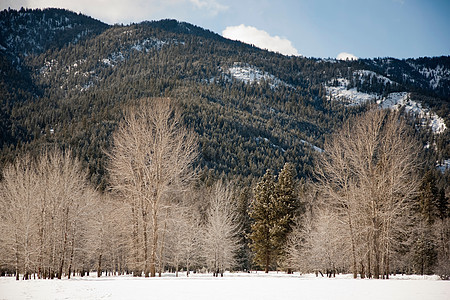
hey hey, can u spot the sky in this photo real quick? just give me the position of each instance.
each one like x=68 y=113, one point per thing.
x=312 y=28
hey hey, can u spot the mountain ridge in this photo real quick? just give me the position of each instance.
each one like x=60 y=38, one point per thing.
x=71 y=92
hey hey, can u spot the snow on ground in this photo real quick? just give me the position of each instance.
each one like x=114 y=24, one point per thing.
x=395 y=101
x=436 y=76
x=444 y=166
x=251 y=74
x=113 y=59
x=398 y=100
x=311 y=145
x=231 y=286
x=366 y=73
x=148 y=44
x=329 y=60
x=351 y=96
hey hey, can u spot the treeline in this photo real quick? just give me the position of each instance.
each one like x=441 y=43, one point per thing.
x=368 y=212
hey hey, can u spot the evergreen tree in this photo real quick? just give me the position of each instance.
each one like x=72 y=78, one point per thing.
x=286 y=204
x=428 y=198
x=424 y=248
x=262 y=213
x=442 y=205
x=272 y=211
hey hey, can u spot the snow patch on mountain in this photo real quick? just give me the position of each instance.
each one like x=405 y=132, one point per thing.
x=48 y=67
x=251 y=74
x=350 y=97
x=113 y=59
x=317 y=149
x=429 y=118
x=436 y=75
x=148 y=44
x=145 y=45
x=85 y=78
x=370 y=74
x=443 y=166
x=338 y=90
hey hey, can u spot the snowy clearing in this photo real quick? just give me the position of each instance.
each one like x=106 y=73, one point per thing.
x=352 y=97
x=397 y=100
x=231 y=286
x=251 y=74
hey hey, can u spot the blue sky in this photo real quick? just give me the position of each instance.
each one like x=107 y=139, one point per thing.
x=313 y=28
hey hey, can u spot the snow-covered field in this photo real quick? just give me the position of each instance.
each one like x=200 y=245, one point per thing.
x=231 y=286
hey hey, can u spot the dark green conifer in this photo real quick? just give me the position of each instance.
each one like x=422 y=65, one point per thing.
x=261 y=211
x=272 y=211
x=286 y=205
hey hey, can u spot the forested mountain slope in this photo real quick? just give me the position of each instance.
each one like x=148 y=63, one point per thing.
x=66 y=78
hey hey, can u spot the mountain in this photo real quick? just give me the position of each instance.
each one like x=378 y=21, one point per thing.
x=26 y=31
x=65 y=79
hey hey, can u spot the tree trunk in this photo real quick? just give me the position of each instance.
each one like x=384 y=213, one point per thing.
x=363 y=272
x=161 y=261
x=266 y=270
x=63 y=253
x=154 y=241
x=17 y=261
x=41 y=248
x=377 y=256
x=71 y=255
x=99 y=266
x=355 y=271
x=70 y=264
x=136 y=269
x=369 y=267
x=146 y=269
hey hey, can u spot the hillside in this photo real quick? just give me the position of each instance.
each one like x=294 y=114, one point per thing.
x=65 y=79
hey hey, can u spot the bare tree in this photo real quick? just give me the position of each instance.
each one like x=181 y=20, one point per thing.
x=19 y=223
x=151 y=158
x=368 y=178
x=43 y=202
x=184 y=239
x=316 y=243
x=107 y=234
x=299 y=246
x=220 y=234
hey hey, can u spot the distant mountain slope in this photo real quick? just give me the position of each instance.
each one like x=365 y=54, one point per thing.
x=252 y=109
x=28 y=31
x=421 y=74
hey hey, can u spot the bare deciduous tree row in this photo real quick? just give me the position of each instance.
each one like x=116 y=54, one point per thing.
x=54 y=224
x=46 y=208
x=156 y=216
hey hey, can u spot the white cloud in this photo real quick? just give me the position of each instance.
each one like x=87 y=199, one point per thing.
x=260 y=38
x=345 y=56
